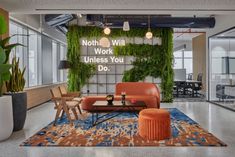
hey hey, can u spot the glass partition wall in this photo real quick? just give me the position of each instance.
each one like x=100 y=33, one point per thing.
x=38 y=48
x=222 y=69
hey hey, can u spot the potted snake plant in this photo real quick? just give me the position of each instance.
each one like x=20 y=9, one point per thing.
x=6 y=118
x=15 y=87
x=7 y=79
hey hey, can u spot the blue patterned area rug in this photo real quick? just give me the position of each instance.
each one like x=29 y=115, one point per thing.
x=121 y=131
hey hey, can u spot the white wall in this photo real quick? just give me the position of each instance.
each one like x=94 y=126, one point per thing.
x=33 y=21
x=188 y=44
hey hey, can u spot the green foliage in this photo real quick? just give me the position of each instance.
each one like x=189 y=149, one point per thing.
x=4 y=69
x=151 y=60
x=167 y=73
x=79 y=73
x=5 y=50
x=17 y=81
x=8 y=47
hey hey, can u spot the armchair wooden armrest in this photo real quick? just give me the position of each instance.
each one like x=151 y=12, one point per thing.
x=56 y=99
x=71 y=94
x=66 y=98
x=62 y=98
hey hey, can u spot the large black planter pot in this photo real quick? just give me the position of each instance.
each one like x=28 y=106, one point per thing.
x=19 y=103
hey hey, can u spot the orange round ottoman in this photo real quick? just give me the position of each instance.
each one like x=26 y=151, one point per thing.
x=154 y=124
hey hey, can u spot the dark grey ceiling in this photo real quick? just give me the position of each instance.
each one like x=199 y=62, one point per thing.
x=60 y=21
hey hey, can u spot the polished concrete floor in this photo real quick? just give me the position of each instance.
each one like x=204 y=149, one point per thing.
x=230 y=104
x=217 y=120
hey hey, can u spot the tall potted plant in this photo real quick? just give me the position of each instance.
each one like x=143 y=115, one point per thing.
x=6 y=118
x=15 y=87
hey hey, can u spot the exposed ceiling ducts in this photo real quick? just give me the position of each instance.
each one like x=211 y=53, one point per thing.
x=60 y=21
x=141 y=21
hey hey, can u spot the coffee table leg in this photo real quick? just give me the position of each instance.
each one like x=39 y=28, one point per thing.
x=134 y=111
x=92 y=119
x=96 y=117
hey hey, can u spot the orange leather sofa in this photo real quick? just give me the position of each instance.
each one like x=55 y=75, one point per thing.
x=139 y=91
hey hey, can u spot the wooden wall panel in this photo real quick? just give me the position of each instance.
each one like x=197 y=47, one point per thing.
x=199 y=58
x=6 y=16
x=39 y=95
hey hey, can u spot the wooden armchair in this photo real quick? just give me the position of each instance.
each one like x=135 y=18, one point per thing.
x=64 y=92
x=64 y=105
x=73 y=95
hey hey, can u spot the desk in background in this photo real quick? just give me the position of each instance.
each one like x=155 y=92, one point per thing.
x=186 y=85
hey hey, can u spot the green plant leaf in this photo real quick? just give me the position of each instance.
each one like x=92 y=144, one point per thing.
x=4 y=68
x=2 y=56
x=11 y=46
x=3 y=25
x=16 y=82
x=4 y=42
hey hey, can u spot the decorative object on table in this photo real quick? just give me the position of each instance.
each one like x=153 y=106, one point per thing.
x=154 y=124
x=185 y=132
x=15 y=87
x=110 y=99
x=123 y=94
x=133 y=101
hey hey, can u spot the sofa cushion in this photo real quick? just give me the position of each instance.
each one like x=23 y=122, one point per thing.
x=137 y=88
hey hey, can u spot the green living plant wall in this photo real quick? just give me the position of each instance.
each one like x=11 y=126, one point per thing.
x=151 y=60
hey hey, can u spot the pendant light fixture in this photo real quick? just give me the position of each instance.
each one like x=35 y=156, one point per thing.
x=104 y=42
x=149 y=34
x=126 y=26
x=107 y=30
